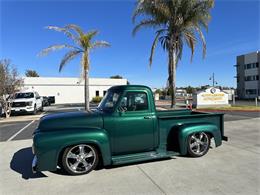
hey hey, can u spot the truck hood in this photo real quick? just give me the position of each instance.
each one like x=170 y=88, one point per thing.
x=71 y=120
x=23 y=100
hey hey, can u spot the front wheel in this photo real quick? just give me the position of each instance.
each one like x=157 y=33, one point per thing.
x=79 y=159
x=34 y=110
x=198 y=144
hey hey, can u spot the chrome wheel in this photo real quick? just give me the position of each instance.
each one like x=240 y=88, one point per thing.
x=80 y=159
x=198 y=144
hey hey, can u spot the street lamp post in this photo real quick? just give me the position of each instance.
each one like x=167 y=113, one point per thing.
x=213 y=79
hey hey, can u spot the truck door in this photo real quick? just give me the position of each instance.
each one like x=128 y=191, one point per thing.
x=133 y=128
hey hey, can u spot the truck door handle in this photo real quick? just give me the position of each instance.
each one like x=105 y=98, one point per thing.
x=147 y=117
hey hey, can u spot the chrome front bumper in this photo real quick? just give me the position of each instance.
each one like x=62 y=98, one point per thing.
x=34 y=164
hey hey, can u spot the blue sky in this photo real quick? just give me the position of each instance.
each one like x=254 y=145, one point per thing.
x=233 y=30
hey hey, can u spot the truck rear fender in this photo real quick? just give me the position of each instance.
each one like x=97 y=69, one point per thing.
x=185 y=130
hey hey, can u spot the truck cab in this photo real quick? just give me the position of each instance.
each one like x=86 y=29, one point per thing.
x=125 y=128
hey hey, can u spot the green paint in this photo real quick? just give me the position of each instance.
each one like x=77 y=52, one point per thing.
x=122 y=136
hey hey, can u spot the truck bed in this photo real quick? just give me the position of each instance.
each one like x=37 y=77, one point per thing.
x=172 y=118
x=182 y=113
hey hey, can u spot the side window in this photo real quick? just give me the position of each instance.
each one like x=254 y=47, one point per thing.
x=134 y=101
x=36 y=95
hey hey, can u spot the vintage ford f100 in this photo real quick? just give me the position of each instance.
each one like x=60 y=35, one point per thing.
x=125 y=128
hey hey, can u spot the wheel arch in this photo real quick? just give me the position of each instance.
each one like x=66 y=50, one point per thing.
x=178 y=136
x=99 y=140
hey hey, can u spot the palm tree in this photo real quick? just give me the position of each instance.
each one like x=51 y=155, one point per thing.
x=83 y=44
x=175 y=22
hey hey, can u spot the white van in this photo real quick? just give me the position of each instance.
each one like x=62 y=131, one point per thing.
x=28 y=101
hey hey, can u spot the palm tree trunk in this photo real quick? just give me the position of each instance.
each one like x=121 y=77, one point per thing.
x=172 y=75
x=174 y=80
x=86 y=78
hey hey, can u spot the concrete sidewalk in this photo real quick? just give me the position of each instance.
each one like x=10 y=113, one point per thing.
x=232 y=168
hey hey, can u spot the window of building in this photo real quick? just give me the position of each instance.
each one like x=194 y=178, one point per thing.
x=252 y=78
x=252 y=65
x=251 y=91
x=104 y=93
x=97 y=93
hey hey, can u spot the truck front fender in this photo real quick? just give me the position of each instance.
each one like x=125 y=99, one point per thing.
x=186 y=130
x=50 y=145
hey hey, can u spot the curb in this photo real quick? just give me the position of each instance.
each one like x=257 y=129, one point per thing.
x=8 y=120
x=209 y=110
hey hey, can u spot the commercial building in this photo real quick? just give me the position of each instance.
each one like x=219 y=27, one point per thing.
x=248 y=83
x=70 y=90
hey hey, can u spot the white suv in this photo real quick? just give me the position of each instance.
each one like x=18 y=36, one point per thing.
x=28 y=101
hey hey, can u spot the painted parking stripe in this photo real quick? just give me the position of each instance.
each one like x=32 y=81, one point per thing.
x=20 y=131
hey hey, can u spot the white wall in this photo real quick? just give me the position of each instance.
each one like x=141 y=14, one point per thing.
x=69 y=90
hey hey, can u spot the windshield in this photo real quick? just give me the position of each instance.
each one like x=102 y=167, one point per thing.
x=24 y=95
x=109 y=101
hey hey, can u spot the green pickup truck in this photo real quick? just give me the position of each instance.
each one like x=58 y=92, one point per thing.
x=125 y=128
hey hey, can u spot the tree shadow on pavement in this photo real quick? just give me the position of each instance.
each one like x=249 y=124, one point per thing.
x=21 y=163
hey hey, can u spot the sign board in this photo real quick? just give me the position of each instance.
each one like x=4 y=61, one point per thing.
x=211 y=97
x=156 y=96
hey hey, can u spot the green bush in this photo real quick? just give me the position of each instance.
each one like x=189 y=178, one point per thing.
x=96 y=99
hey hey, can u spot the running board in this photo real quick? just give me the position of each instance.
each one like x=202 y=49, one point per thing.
x=138 y=157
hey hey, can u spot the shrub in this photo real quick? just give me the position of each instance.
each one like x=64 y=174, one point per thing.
x=96 y=99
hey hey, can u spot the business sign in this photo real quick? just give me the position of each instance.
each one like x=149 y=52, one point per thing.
x=211 y=97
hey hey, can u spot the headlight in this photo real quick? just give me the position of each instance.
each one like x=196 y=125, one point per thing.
x=28 y=103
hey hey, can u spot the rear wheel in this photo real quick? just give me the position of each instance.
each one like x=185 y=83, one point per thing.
x=79 y=159
x=198 y=144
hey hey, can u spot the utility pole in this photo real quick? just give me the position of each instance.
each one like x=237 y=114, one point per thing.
x=213 y=80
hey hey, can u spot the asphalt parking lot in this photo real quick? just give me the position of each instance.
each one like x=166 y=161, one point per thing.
x=232 y=168
x=25 y=128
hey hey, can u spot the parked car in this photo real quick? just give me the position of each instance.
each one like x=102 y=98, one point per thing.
x=51 y=99
x=27 y=101
x=1 y=110
x=45 y=101
x=125 y=128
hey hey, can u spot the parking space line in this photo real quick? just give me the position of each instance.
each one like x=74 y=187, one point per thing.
x=12 y=137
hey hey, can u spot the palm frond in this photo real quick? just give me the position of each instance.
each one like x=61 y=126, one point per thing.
x=98 y=44
x=65 y=31
x=52 y=48
x=85 y=39
x=152 y=8
x=156 y=39
x=75 y=28
x=191 y=40
x=144 y=23
x=202 y=40
x=91 y=34
x=68 y=57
